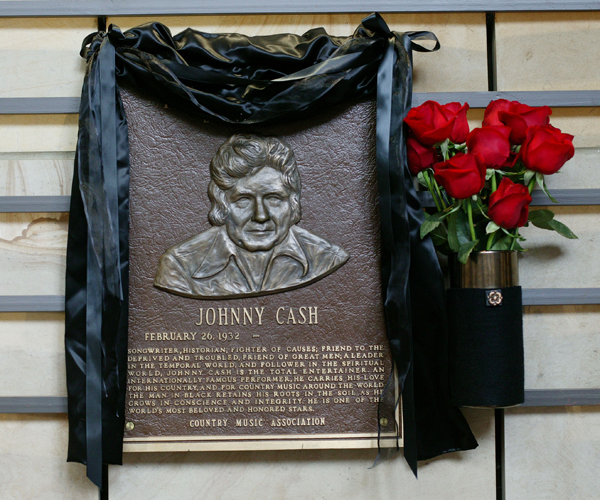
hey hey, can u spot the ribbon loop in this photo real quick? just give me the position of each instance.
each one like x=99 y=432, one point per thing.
x=422 y=35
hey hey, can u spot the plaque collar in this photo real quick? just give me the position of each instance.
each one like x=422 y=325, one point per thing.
x=223 y=250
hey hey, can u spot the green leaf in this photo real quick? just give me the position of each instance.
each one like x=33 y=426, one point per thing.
x=541 y=217
x=544 y=219
x=444 y=148
x=503 y=243
x=561 y=229
x=421 y=178
x=540 y=180
x=439 y=236
x=465 y=250
x=516 y=246
x=429 y=226
x=458 y=230
x=492 y=227
x=431 y=222
x=528 y=176
x=453 y=208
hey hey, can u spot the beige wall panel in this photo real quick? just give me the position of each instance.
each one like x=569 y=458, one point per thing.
x=325 y=474
x=33 y=454
x=552 y=453
x=475 y=117
x=36 y=174
x=580 y=172
x=40 y=57
x=32 y=254
x=38 y=133
x=33 y=451
x=14 y=225
x=583 y=123
x=32 y=358
x=556 y=262
x=548 y=51
x=562 y=347
x=459 y=65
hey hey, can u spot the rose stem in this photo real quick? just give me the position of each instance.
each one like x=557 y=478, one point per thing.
x=431 y=190
x=470 y=215
x=437 y=188
x=512 y=245
x=490 y=240
x=491 y=236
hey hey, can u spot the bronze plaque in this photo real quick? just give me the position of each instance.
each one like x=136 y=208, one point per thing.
x=256 y=319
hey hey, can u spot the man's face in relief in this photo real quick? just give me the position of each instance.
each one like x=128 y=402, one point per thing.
x=260 y=212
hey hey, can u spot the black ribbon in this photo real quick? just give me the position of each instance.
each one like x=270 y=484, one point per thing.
x=245 y=80
x=97 y=280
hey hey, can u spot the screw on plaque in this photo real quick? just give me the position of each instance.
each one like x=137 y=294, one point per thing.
x=383 y=422
x=494 y=298
x=129 y=426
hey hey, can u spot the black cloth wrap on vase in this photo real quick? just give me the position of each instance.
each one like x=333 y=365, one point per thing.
x=486 y=347
x=232 y=78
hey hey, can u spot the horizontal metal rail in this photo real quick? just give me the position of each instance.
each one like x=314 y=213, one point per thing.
x=562 y=397
x=34 y=204
x=32 y=303
x=37 y=404
x=552 y=98
x=38 y=105
x=565 y=197
x=70 y=8
x=560 y=296
x=531 y=297
x=533 y=398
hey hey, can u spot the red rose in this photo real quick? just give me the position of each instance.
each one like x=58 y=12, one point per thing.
x=491 y=143
x=419 y=157
x=546 y=149
x=509 y=204
x=461 y=176
x=461 y=125
x=490 y=116
x=431 y=122
x=520 y=116
x=517 y=116
x=511 y=161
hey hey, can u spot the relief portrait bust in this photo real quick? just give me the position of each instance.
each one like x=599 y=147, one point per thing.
x=254 y=246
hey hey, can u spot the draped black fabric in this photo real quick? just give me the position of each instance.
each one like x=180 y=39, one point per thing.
x=97 y=278
x=245 y=80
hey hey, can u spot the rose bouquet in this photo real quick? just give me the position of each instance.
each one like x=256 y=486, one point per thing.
x=481 y=180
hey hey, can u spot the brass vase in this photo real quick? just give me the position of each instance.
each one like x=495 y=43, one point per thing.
x=486 y=330
x=489 y=269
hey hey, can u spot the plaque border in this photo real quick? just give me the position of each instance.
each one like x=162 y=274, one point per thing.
x=262 y=443
x=258 y=442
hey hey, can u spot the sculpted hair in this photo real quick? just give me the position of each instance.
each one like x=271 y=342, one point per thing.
x=244 y=155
